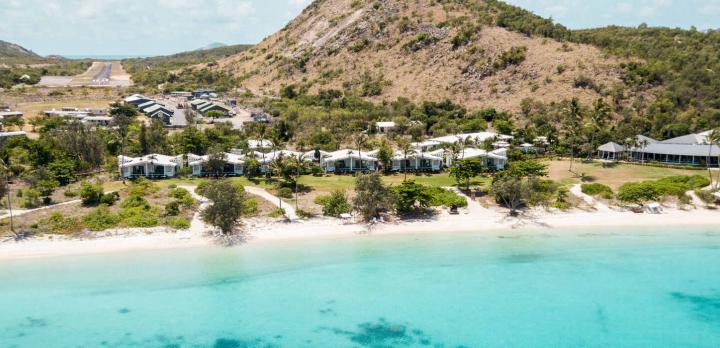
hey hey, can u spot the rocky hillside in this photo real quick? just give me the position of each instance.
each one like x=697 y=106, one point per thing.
x=11 y=50
x=421 y=50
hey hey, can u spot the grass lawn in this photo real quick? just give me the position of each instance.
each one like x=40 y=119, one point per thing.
x=613 y=176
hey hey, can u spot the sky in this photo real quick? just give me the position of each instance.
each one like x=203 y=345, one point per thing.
x=154 y=27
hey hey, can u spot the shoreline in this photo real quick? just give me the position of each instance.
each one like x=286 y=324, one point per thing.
x=474 y=220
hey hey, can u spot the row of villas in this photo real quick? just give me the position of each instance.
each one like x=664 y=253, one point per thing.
x=692 y=149
x=341 y=161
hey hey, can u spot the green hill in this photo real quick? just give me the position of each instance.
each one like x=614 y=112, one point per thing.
x=11 y=50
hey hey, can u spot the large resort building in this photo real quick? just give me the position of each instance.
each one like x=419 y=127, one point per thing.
x=691 y=149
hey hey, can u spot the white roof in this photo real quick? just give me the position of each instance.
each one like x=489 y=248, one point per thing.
x=266 y=158
x=12 y=134
x=385 y=124
x=347 y=154
x=398 y=155
x=256 y=144
x=470 y=153
x=426 y=143
x=155 y=159
x=311 y=154
x=611 y=147
x=477 y=137
x=10 y=113
x=155 y=108
x=98 y=118
x=229 y=158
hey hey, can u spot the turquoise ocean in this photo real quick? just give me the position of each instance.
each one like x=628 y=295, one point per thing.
x=570 y=288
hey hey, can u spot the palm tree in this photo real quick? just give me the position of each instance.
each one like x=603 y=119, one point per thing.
x=598 y=117
x=359 y=141
x=405 y=147
x=5 y=170
x=714 y=139
x=573 y=120
x=299 y=163
x=643 y=144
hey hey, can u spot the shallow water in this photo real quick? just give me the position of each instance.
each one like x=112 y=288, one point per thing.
x=611 y=288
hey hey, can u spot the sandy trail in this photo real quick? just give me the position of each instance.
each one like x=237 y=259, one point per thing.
x=577 y=191
x=276 y=201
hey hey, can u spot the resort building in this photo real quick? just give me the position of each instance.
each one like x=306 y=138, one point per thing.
x=98 y=121
x=416 y=161
x=494 y=160
x=234 y=165
x=205 y=108
x=691 y=149
x=150 y=166
x=349 y=161
x=136 y=99
x=4 y=114
x=385 y=127
x=260 y=144
x=5 y=135
x=477 y=138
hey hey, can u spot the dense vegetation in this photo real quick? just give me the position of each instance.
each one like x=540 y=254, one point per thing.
x=175 y=72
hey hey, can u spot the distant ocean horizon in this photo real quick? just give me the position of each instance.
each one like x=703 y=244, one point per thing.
x=107 y=57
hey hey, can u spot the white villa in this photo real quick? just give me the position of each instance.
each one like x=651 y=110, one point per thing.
x=150 y=166
x=477 y=138
x=385 y=127
x=691 y=149
x=417 y=161
x=495 y=160
x=349 y=161
x=234 y=164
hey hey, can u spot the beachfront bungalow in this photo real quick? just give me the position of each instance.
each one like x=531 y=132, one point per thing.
x=500 y=140
x=416 y=161
x=426 y=145
x=317 y=156
x=494 y=160
x=349 y=161
x=385 y=127
x=149 y=166
x=690 y=149
x=234 y=165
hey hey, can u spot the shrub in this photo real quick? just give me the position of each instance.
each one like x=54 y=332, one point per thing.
x=596 y=189
x=250 y=207
x=60 y=224
x=90 y=193
x=178 y=223
x=110 y=198
x=139 y=217
x=706 y=196
x=277 y=213
x=172 y=208
x=638 y=192
x=143 y=187
x=183 y=197
x=304 y=214
x=285 y=192
x=445 y=198
x=334 y=204
x=101 y=219
x=513 y=56
x=135 y=202
x=70 y=193
x=31 y=198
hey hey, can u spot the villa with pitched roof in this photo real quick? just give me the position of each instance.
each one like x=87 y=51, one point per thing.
x=691 y=149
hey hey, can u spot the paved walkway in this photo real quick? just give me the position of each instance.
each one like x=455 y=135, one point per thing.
x=20 y=212
x=289 y=209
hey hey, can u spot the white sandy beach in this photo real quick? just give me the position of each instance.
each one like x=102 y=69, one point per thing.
x=474 y=219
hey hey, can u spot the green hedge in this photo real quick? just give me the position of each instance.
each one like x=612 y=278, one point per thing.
x=596 y=189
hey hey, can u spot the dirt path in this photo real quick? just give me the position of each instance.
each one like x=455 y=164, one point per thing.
x=577 y=191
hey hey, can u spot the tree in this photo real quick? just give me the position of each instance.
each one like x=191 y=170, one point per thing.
x=359 y=140
x=405 y=147
x=573 y=119
x=598 y=118
x=90 y=193
x=714 y=139
x=411 y=196
x=228 y=205
x=334 y=204
x=385 y=156
x=123 y=116
x=215 y=114
x=464 y=170
x=215 y=163
x=372 y=196
x=511 y=191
